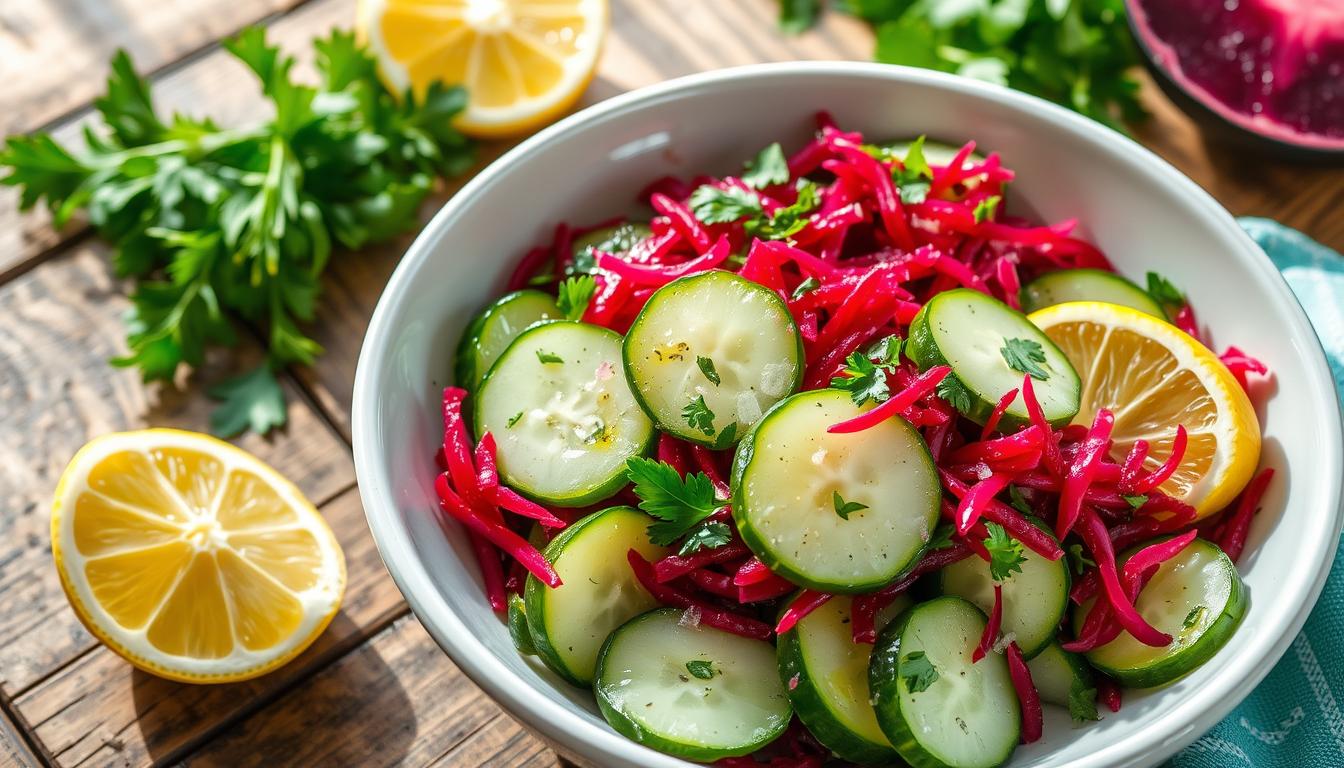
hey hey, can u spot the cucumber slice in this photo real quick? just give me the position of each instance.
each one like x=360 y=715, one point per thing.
x=615 y=240
x=562 y=414
x=569 y=623
x=718 y=337
x=957 y=714
x=1034 y=600
x=518 y=631
x=969 y=331
x=786 y=477
x=826 y=675
x=1086 y=285
x=1065 y=679
x=491 y=332
x=731 y=704
x=1196 y=597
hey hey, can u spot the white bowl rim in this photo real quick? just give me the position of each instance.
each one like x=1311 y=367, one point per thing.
x=1193 y=717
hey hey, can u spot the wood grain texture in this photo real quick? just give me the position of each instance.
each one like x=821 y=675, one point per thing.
x=62 y=324
x=397 y=700
x=100 y=711
x=14 y=750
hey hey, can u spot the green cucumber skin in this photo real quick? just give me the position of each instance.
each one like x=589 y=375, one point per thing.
x=534 y=596
x=1209 y=643
x=602 y=491
x=464 y=359
x=756 y=543
x=519 y=632
x=922 y=347
x=884 y=683
x=828 y=730
x=683 y=431
x=1080 y=672
x=632 y=731
x=1031 y=292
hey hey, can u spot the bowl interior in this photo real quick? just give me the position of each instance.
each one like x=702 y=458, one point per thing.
x=1142 y=213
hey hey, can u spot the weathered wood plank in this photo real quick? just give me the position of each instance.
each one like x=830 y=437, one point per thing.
x=501 y=742
x=396 y=700
x=101 y=711
x=62 y=324
x=14 y=751
x=54 y=55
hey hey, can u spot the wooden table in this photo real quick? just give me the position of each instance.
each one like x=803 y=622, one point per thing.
x=374 y=689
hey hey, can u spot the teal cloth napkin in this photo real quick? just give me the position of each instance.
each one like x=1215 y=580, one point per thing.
x=1296 y=716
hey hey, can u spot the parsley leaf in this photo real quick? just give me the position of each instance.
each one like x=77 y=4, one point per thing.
x=216 y=225
x=513 y=419
x=251 y=401
x=1082 y=702
x=1194 y=617
x=727 y=436
x=845 y=508
x=808 y=285
x=918 y=672
x=796 y=16
x=574 y=295
x=1079 y=560
x=914 y=174
x=786 y=221
x=1016 y=501
x=698 y=415
x=863 y=379
x=954 y=392
x=886 y=351
x=1167 y=296
x=703 y=670
x=679 y=503
x=548 y=357
x=708 y=536
x=1025 y=356
x=712 y=205
x=769 y=168
x=984 y=210
x=707 y=368
x=914 y=162
x=1135 y=500
x=942 y=537
x=1005 y=553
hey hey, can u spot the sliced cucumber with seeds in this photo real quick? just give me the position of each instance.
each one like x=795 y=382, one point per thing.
x=710 y=353
x=491 y=332
x=615 y=240
x=989 y=346
x=834 y=512
x=1086 y=285
x=1198 y=598
x=1065 y=679
x=562 y=415
x=826 y=675
x=938 y=708
x=690 y=690
x=518 y=631
x=1034 y=599
x=569 y=623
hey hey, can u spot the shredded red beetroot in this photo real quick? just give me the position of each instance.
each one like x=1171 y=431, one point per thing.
x=857 y=268
x=991 y=633
x=1033 y=719
x=1108 y=692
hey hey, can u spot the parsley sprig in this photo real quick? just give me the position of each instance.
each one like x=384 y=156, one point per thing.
x=1025 y=356
x=218 y=224
x=713 y=205
x=864 y=375
x=679 y=504
x=1005 y=552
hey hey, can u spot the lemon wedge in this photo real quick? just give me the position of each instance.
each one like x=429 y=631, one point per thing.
x=523 y=62
x=191 y=558
x=1154 y=376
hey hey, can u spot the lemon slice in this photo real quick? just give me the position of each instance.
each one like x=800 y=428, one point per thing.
x=1153 y=376
x=523 y=62
x=191 y=558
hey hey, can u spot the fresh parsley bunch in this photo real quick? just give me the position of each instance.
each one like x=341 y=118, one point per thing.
x=216 y=223
x=1078 y=53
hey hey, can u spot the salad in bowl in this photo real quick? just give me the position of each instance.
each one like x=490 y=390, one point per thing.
x=835 y=460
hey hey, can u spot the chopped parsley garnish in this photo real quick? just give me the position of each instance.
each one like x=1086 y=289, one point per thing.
x=984 y=210
x=865 y=373
x=698 y=415
x=1025 y=356
x=707 y=367
x=918 y=672
x=1078 y=559
x=808 y=285
x=514 y=419
x=1082 y=702
x=786 y=221
x=708 y=536
x=1005 y=552
x=1135 y=500
x=913 y=177
x=1017 y=501
x=1194 y=617
x=769 y=168
x=678 y=503
x=942 y=537
x=886 y=351
x=548 y=357
x=712 y=205
x=703 y=670
x=1164 y=293
x=726 y=436
x=954 y=392
x=574 y=295
x=845 y=508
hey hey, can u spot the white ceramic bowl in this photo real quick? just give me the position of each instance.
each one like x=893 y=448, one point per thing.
x=1140 y=210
